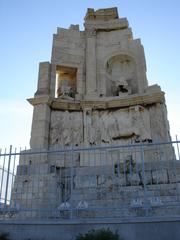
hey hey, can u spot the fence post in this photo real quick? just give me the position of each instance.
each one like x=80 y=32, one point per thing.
x=177 y=147
x=175 y=169
x=144 y=179
x=2 y=177
x=71 y=186
x=8 y=172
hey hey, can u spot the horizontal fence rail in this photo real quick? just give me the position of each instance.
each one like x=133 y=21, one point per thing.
x=133 y=180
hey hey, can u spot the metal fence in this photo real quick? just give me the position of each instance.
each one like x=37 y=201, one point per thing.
x=135 y=180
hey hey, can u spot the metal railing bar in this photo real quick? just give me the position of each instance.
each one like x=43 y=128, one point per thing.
x=77 y=149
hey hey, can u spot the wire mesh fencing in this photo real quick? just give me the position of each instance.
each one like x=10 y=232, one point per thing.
x=132 y=180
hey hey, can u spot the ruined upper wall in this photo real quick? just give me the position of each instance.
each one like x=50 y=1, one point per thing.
x=104 y=19
x=101 y=14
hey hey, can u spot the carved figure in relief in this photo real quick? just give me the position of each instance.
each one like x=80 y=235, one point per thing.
x=117 y=127
x=66 y=129
x=89 y=128
x=123 y=125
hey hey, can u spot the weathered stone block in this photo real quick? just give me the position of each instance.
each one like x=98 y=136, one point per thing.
x=120 y=180
x=146 y=177
x=104 y=181
x=133 y=179
x=159 y=176
x=173 y=175
x=85 y=181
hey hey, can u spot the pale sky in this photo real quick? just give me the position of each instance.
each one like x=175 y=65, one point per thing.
x=26 y=29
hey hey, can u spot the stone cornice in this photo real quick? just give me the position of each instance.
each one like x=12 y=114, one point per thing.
x=40 y=100
x=105 y=103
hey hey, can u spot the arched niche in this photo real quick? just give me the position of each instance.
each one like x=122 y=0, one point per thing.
x=121 y=76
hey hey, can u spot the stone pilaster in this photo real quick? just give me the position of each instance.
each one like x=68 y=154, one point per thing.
x=40 y=127
x=43 y=79
x=91 y=85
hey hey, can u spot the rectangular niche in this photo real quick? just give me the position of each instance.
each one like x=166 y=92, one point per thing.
x=66 y=81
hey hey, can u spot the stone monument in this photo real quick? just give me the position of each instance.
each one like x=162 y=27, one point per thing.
x=93 y=93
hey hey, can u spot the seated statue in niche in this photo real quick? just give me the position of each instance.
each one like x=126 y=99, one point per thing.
x=65 y=91
x=121 y=75
x=120 y=87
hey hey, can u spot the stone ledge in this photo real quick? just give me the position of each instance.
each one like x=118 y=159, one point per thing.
x=45 y=99
x=148 y=219
x=105 y=103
